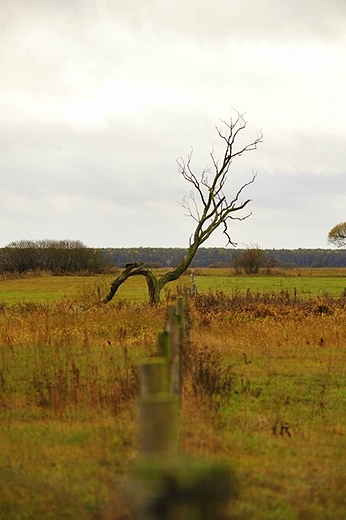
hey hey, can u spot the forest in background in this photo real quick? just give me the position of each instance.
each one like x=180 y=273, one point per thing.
x=59 y=258
x=222 y=257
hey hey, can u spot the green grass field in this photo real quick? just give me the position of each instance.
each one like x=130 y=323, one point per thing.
x=57 y=288
x=264 y=391
x=304 y=285
x=310 y=282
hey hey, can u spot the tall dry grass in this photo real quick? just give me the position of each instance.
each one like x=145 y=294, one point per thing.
x=61 y=356
x=264 y=389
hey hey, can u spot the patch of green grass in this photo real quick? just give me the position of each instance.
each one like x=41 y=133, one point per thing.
x=58 y=288
x=63 y=469
x=304 y=286
x=47 y=288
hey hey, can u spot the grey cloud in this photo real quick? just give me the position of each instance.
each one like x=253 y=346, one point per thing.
x=98 y=99
x=242 y=18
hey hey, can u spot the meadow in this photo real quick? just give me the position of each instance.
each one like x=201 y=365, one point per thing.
x=307 y=282
x=264 y=390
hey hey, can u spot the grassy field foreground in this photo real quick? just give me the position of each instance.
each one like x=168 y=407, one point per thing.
x=264 y=390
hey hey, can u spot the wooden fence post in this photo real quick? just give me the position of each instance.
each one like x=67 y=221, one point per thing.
x=154 y=377
x=174 y=331
x=159 y=429
x=158 y=409
x=164 y=345
x=181 y=489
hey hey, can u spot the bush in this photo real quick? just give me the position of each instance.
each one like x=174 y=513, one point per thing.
x=54 y=256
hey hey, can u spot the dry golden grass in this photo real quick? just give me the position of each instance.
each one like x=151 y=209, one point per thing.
x=264 y=390
x=68 y=390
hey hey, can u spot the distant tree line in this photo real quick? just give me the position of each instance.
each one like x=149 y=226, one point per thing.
x=53 y=256
x=222 y=257
x=72 y=257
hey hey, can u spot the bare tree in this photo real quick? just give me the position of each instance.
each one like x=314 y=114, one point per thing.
x=208 y=205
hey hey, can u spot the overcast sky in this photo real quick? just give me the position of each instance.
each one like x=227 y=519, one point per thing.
x=98 y=98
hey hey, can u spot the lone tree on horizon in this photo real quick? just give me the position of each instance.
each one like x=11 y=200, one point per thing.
x=208 y=204
x=337 y=235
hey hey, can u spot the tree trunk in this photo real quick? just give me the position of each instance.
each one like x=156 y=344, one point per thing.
x=154 y=288
x=154 y=284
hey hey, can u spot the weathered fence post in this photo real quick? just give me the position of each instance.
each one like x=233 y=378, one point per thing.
x=158 y=409
x=174 y=330
x=182 y=489
x=164 y=345
x=154 y=377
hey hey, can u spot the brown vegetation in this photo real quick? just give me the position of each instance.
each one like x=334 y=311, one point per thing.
x=264 y=389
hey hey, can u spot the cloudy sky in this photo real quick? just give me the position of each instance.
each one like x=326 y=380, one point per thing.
x=98 y=98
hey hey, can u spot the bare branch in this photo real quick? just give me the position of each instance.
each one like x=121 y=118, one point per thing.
x=191 y=213
x=215 y=208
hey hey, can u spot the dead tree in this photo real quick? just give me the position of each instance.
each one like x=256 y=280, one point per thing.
x=208 y=204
